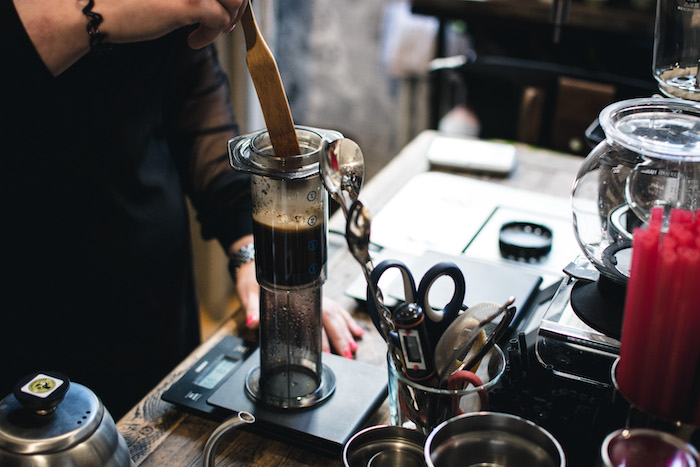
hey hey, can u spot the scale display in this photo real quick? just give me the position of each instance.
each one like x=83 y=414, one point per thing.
x=215 y=388
x=191 y=392
x=214 y=376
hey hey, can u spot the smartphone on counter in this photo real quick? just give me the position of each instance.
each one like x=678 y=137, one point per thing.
x=472 y=155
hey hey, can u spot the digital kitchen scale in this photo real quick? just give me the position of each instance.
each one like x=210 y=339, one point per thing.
x=215 y=388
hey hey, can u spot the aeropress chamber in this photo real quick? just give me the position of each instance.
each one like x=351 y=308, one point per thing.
x=290 y=223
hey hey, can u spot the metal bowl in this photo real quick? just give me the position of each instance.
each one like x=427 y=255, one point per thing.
x=493 y=439
x=384 y=446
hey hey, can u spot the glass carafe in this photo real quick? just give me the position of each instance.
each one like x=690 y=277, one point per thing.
x=290 y=213
x=649 y=159
x=677 y=48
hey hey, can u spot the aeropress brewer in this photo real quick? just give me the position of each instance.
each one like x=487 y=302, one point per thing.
x=294 y=393
x=290 y=212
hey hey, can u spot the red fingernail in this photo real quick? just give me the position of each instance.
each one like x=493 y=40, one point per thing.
x=347 y=354
x=231 y=28
x=359 y=331
x=353 y=346
x=251 y=319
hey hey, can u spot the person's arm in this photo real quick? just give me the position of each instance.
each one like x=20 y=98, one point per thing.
x=58 y=28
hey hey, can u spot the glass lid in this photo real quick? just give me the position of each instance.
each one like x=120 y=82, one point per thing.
x=655 y=127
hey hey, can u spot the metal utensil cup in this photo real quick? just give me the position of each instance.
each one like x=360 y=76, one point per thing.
x=290 y=223
x=384 y=446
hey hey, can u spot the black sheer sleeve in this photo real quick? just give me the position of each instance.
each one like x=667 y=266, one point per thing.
x=201 y=123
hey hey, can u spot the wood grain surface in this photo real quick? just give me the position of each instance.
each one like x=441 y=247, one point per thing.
x=158 y=434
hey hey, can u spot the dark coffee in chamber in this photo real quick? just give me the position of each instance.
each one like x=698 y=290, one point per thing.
x=289 y=255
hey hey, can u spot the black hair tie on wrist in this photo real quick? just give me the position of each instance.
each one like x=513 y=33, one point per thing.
x=94 y=21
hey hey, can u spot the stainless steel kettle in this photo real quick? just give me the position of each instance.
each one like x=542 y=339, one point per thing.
x=49 y=421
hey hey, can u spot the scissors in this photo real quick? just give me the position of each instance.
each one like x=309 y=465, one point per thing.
x=460 y=380
x=436 y=320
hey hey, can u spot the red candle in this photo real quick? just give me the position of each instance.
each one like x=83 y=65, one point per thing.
x=664 y=298
x=683 y=350
x=659 y=354
x=657 y=216
x=637 y=317
x=682 y=234
x=681 y=216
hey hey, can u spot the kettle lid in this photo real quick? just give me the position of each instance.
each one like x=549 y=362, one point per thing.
x=47 y=413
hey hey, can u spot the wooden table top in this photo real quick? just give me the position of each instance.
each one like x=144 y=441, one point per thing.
x=158 y=434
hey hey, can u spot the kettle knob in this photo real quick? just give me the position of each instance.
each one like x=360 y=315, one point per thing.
x=42 y=392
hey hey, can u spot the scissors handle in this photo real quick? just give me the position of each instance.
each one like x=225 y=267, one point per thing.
x=374 y=308
x=440 y=320
x=409 y=284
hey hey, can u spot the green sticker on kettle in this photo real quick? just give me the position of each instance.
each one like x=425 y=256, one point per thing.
x=42 y=385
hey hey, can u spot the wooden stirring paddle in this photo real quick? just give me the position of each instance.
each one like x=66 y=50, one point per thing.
x=268 y=84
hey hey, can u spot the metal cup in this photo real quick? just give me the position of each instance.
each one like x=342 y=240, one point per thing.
x=493 y=439
x=384 y=446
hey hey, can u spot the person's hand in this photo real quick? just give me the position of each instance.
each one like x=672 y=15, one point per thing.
x=138 y=20
x=339 y=329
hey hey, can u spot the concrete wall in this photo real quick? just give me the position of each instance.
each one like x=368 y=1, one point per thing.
x=329 y=56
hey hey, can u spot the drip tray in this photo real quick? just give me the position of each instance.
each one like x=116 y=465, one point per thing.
x=360 y=390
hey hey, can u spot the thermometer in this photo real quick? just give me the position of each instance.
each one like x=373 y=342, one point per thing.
x=409 y=321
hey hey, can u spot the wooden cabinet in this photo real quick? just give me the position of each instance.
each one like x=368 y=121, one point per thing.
x=527 y=85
